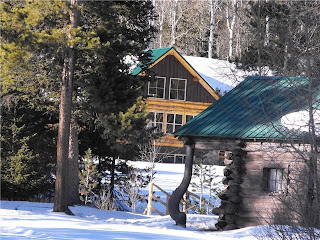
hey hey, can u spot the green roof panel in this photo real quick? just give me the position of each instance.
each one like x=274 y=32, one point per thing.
x=253 y=109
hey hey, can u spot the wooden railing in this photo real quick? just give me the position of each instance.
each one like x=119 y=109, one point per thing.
x=184 y=202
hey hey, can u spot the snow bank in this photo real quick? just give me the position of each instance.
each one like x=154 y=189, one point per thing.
x=25 y=220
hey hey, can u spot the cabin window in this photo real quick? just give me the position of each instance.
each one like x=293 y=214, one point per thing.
x=156 y=121
x=189 y=117
x=156 y=88
x=174 y=122
x=273 y=179
x=178 y=88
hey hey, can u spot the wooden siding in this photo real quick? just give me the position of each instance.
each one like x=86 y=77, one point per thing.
x=170 y=67
x=174 y=106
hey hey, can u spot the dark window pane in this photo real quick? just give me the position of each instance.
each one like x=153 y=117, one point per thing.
x=188 y=118
x=160 y=83
x=153 y=84
x=178 y=119
x=168 y=159
x=182 y=84
x=174 y=84
x=152 y=91
x=170 y=118
x=159 y=117
x=169 y=128
x=179 y=159
x=159 y=127
x=180 y=95
x=177 y=127
x=151 y=115
x=160 y=93
x=173 y=94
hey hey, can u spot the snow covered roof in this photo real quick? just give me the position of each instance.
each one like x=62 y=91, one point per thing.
x=218 y=73
x=300 y=121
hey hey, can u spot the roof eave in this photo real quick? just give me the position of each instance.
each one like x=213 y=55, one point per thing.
x=269 y=140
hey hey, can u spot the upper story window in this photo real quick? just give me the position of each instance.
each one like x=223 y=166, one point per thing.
x=156 y=88
x=178 y=88
x=273 y=180
x=174 y=122
x=156 y=120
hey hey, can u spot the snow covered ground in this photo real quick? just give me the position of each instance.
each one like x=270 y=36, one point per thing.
x=29 y=220
x=168 y=177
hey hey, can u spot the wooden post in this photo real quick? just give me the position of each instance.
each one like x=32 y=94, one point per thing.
x=150 y=199
x=184 y=205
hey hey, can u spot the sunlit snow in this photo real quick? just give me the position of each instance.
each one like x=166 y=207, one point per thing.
x=300 y=121
x=32 y=220
x=220 y=73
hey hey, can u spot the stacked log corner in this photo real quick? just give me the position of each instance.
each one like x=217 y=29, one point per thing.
x=231 y=199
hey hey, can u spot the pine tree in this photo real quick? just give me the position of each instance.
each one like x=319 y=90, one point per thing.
x=27 y=152
x=47 y=34
x=89 y=177
x=123 y=132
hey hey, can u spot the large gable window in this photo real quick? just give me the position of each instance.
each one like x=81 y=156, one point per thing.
x=273 y=179
x=174 y=122
x=156 y=88
x=178 y=88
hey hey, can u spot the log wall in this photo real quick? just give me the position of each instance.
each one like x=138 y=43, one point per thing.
x=258 y=205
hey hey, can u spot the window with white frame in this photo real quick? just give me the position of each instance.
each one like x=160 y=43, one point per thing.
x=156 y=88
x=273 y=180
x=174 y=122
x=156 y=120
x=178 y=88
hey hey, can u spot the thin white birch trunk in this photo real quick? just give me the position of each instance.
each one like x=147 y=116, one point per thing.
x=267 y=34
x=231 y=24
x=212 y=26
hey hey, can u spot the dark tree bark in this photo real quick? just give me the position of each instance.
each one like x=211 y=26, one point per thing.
x=73 y=166
x=112 y=172
x=61 y=195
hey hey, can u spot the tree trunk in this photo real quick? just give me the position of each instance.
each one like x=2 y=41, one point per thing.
x=61 y=196
x=113 y=164
x=267 y=34
x=212 y=23
x=161 y=21
x=230 y=25
x=174 y=22
x=73 y=166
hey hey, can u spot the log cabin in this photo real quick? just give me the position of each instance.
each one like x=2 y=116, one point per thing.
x=265 y=157
x=177 y=94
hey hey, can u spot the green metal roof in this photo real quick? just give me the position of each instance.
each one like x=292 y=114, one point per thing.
x=253 y=110
x=155 y=55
